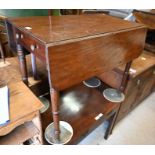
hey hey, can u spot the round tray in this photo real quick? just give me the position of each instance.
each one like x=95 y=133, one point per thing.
x=66 y=133
x=92 y=83
x=45 y=102
x=113 y=95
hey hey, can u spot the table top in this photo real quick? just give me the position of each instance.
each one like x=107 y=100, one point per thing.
x=72 y=40
x=51 y=29
x=142 y=63
x=146 y=18
x=22 y=104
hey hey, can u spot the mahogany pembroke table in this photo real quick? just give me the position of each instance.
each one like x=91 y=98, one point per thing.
x=75 y=48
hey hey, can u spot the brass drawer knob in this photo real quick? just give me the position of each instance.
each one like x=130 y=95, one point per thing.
x=32 y=47
x=22 y=36
x=154 y=72
x=17 y=36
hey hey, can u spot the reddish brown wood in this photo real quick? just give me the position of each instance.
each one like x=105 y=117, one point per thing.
x=55 y=110
x=61 y=28
x=125 y=77
x=23 y=66
x=34 y=66
x=78 y=48
x=140 y=83
x=100 y=51
x=147 y=18
x=122 y=88
x=31 y=44
x=80 y=105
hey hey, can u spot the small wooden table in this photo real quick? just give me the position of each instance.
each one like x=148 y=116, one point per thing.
x=148 y=19
x=75 y=48
x=24 y=107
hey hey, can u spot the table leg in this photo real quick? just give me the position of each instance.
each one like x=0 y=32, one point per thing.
x=108 y=130
x=2 y=52
x=122 y=88
x=22 y=61
x=37 y=122
x=55 y=111
x=34 y=66
x=125 y=77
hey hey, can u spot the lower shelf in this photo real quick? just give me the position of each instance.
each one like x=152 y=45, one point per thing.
x=84 y=108
x=19 y=135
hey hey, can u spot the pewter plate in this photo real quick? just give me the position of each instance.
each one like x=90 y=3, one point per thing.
x=45 y=102
x=92 y=83
x=66 y=133
x=113 y=95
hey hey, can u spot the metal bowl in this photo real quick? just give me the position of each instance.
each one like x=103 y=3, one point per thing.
x=92 y=83
x=66 y=133
x=45 y=102
x=113 y=95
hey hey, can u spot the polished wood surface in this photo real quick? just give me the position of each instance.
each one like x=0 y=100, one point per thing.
x=79 y=105
x=140 y=83
x=55 y=29
x=139 y=65
x=101 y=53
x=138 y=89
x=146 y=18
x=91 y=41
x=24 y=106
x=21 y=134
x=22 y=61
x=75 y=48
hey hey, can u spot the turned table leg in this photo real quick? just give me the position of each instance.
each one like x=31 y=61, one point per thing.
x=22 y=61
x=122 y=88
x=108 y=130
x=55 y=111
x=34 y=66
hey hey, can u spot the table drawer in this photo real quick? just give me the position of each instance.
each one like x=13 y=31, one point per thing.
x=31 y=44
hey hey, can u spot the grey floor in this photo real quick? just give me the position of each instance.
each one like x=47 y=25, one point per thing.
x=138 y=128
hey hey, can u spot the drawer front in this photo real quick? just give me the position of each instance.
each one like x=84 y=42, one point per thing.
x=137 y=90
x=146 y=84
x=130 y=98
x=31 y=44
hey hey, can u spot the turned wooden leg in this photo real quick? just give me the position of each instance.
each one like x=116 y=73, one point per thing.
x=108 y=130
x=122 y=88
x=2 y=52
x=55 y=111
x=22 y=61
x=34 y=66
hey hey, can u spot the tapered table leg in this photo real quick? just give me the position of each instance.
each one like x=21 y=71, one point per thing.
x=22 y=61
x=34 y=66
x=58 y=132
x=55 y=111
x=108 y=130
x=122 y=88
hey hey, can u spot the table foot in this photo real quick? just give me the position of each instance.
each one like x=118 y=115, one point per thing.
x=66 y=133
x=113 y=95
x=92 y=82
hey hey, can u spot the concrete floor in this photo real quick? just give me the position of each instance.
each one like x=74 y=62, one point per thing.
x=138 y=128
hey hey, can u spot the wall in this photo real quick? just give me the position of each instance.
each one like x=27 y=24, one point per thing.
x=26 y=12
